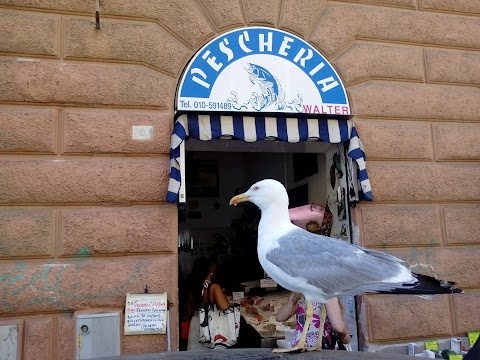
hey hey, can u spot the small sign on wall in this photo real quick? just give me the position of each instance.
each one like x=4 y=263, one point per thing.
x=144 y=132
x=145 y=314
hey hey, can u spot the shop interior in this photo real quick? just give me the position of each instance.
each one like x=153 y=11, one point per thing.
x=314 y=173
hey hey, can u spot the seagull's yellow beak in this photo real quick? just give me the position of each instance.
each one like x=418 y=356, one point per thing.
x=239 y=199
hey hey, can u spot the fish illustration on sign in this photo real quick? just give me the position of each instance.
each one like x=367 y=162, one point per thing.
x=271 y=94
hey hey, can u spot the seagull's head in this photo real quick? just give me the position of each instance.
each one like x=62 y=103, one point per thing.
x=263 y=194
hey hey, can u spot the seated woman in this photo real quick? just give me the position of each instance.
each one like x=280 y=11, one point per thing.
x=207 y=296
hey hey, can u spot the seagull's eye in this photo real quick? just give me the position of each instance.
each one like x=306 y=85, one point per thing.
x=255 y=188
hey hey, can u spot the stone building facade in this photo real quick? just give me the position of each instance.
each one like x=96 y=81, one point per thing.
x=83 y=217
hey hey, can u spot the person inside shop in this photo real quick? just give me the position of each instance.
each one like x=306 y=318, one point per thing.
x=335 y=332
x=213 y=323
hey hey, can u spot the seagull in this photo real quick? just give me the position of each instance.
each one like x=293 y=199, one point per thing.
x=322 y=267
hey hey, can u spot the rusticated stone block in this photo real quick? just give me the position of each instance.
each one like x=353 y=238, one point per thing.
x=367 y=60
x=26 y=232
x=84 y=283
x=415 y=317
x=109 y=231
x=463 y=224
x=465 y=311
x=410 y=100
x=263 y=12
x=400 y=225
x=465 y=6
x=424 y=182
x=458 y=264
x=107 y=131
x=38 y=339
x=27 y=130
x=341 y=23
x=298 y=16
x=143 y=42
x=65 y=347
x=60 y=82
x=457 y=141
x=19 y=37
x=92 y=181
x=62 y=5
x=183 y=17
x=400 y=3
x=225 y=13
x=395 y=139
x=462 y=67
x=144 y=344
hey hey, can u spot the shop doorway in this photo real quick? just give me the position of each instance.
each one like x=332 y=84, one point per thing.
x=313 y=173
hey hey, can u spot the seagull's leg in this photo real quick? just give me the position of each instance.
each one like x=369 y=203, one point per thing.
x=323 y=315
x=303 y=339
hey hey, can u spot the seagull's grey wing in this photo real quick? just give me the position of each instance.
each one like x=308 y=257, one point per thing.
x=332 y=265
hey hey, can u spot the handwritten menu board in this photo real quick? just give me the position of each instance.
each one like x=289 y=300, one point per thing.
x=145 y=314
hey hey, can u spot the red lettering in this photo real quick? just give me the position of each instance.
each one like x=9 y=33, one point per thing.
x=337 y=110
x=316 y=110
x=139 y=304
x=345 y=109
x=329 y=109
x=307 y=108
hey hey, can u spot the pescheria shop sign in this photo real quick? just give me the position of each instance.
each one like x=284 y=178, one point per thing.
x=261 y=69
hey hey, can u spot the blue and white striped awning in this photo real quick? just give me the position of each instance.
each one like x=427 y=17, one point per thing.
x=256 y=128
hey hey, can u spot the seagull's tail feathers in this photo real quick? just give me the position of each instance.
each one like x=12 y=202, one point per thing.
x=425 y=285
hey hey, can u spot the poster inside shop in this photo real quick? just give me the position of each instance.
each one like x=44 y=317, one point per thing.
x=260 y=69
x=145 y=314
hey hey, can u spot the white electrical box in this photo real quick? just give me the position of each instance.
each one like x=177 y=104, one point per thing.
x=97 y=335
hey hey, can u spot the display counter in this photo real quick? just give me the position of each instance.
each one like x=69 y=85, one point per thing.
x=258 y=315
